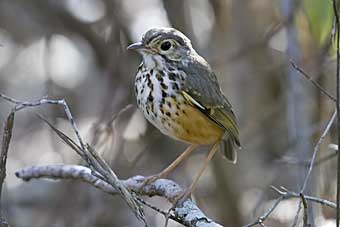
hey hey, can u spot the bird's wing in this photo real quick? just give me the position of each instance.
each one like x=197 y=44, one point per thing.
x=202 y=91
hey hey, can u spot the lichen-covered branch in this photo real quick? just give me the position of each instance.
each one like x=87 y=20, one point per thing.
x=188 y=214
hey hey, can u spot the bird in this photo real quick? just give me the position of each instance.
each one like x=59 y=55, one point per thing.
x=178 y=93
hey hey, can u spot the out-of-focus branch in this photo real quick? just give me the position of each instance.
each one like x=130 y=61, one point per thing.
x=319 y=161
x=188 y=214
x=337 y=75
x=309 y=78
x=296 y=98
x=6 y=139
x=263 y=41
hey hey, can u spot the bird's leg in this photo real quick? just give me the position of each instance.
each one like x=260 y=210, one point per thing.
x=171 y=167
x=184 y=195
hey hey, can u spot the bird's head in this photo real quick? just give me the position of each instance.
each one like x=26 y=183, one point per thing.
x=163 y=44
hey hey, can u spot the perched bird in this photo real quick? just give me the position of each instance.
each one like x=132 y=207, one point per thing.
x=179 y=94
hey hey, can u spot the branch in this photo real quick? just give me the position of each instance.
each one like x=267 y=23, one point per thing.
x=315 y=83
x=189 y=214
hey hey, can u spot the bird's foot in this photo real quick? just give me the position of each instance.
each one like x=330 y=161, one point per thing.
x=150 y=179
x=181 y=197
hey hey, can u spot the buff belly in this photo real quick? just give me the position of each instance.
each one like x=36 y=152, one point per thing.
x=183 y=122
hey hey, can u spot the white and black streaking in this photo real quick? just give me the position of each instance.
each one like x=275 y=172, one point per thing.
x=158 y=97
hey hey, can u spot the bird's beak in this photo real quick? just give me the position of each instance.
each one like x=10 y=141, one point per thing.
x=136 y=46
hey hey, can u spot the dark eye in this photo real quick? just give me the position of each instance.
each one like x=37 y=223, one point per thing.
x=166 y=45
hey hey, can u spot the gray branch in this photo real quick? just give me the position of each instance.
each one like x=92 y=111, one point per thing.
x=188 y=214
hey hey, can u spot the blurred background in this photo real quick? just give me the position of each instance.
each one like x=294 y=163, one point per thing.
x=76 y=49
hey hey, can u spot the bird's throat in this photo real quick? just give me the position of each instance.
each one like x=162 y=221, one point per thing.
x=151 y=61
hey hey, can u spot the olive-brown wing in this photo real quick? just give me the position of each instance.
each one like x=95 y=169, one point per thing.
x=202 y=86
x=201 y=89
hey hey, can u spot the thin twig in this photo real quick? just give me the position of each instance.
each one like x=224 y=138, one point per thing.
x=107 y=125
x=289 y=194
x=311 y=165
x=309 y=78
x=305 y=212
x=104 y=169
x=261 y=219
x=337 y=30
x=316 y=148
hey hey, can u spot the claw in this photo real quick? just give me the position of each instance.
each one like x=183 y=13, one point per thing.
x=150 y=179
x=181 y=197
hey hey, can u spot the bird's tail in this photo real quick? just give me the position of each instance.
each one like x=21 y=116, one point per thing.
x=229 y=147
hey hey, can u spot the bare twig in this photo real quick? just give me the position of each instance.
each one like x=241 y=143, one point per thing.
x=337 y=23
x=286 y=194
x=108 y=125
x=289 y=194
x=188 y=214
x=165 y=214
x=311 y=165
x=262 y=218
x=316 y=148
x=305 y=213
x=309 y=78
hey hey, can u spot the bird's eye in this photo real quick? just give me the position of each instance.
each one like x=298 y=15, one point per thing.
x=166 y=45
